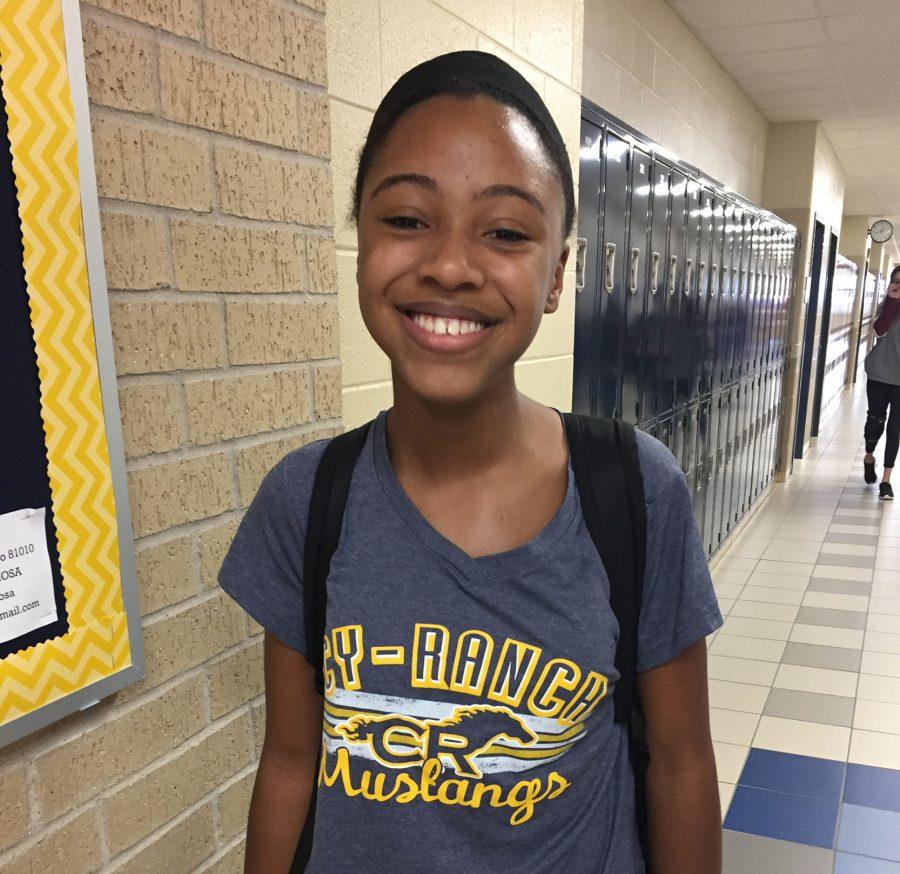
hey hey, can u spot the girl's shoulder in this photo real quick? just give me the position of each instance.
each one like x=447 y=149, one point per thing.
x=659 y=469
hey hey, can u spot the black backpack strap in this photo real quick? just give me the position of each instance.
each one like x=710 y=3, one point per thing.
x=323 y=531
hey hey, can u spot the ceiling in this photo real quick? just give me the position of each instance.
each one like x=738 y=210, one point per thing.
x=834 y=61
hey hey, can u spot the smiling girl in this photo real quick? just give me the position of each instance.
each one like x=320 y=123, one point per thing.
x=467 y=719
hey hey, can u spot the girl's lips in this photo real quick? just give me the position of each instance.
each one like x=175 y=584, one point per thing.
x=446 y=343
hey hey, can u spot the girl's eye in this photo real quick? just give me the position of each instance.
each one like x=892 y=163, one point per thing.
x=404 y=222
x=505 y=235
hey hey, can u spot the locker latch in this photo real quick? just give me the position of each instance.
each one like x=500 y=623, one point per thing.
x=580 y=249
x=633 y=270
x=673 y=267
x=654 y=272
x=688 y=274
x=609 y=267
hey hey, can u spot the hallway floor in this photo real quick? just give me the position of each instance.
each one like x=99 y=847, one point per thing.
x=805 y=672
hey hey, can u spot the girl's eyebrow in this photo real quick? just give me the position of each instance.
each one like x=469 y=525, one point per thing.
x=511 y=191
x=419 y=179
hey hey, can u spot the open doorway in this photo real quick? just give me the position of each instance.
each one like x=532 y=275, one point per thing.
x=824 y=334
x=809 y=333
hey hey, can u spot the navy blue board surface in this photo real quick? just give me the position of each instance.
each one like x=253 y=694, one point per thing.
x=24 y=481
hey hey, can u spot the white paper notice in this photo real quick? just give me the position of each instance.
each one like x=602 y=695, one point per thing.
x=27 y=600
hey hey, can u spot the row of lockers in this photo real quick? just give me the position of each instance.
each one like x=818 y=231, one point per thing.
x=681 y=316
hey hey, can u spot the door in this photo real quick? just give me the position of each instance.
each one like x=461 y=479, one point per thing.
x=671 y=396
x=806 y=361
x=824 y=333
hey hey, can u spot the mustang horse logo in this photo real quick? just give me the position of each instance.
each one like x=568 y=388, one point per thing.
x=399 y=741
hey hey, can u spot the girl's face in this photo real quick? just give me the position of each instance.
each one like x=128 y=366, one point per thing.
x=461 y=247
x=894 y=286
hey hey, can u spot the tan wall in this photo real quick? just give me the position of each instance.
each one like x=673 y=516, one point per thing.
x=211 y=143
x=370 y=44
x=644 y=65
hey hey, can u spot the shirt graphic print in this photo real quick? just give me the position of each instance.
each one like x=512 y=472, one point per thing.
x=468 y=718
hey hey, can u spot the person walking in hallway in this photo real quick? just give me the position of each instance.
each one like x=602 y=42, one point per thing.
x=883 y=389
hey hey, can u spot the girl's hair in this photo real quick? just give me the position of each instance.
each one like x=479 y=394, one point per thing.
x=894 y=272
x=466 y=75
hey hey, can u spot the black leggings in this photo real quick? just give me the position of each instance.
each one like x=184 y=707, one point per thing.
x=881 y=395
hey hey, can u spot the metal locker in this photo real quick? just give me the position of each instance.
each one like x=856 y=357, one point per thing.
x=670 y=395
x=657 y=295
x=700 y=337
x=611 y=278
x=701 y=463
x=715 y=347
x=690 y=418
x=688 y=365
x=713 y=474
x=739 y=432
x=730 y=299
x=664 y=431
x=588 y=277
x=636 y=275
x=678 y=434
x=723 y=488
x=725 y=329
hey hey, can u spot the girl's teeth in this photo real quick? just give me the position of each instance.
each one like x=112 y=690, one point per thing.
x=439 y=325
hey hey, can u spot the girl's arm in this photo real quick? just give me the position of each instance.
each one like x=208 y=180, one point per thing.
x=682 y=793
x=889 y=310
x=285 y=777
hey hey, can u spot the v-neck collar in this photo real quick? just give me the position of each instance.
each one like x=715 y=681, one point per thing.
x=496 y=564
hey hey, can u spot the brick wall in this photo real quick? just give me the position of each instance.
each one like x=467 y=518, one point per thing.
x=211 y=139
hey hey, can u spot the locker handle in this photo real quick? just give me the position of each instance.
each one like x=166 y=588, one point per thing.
x=654 y=272
x=673 y=267
x=609 y=270
x=688 y=274
x=714 y=280
x=702 y=283
x=734 y=285
x=580 y=249
x=633 y=270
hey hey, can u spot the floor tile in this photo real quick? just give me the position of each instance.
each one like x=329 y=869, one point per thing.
x=842 y=587
x=749 y=547
x=729 y=562
x=865 y=830
x=848 y=549
x=881 y=575
x=786 y=551
x=853 y=529
x=801 y=820
x=847 y=863
x=885 y=590
x=725 y=605
x=876 y=688
x=874 y=748
x=786 y=568
x=730 y=576
x=881 y=663
x=823 y=680
x=872 y=787
x=732 y=727
x=880 y=716
x=881 y=641
x=802 y=738
x=833 y=618
x=827 y=569
x=764 y=628
x=730 y=760
x=794 y=775
x=810 y=707
x=749 y=609
x=852 y=561
x=744 y=697
x=881 y=622
x=726 y=790
x=769 y=581
x=772 y=595
x=845 y=638
x=832 y=601
x=748 y=648
x=886 y=606
x=740 y=670
x=727 y=590
x=751 y=854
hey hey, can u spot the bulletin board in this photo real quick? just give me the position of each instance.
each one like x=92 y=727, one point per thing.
x=69 y=621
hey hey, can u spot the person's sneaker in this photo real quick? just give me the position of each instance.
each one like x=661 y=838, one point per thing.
x=885 y=492
x=869 y=471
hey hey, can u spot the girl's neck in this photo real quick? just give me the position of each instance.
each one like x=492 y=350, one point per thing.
x=436 y=442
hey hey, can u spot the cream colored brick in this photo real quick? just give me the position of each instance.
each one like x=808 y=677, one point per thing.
x=565 y=106
x=166 y=574
x=181 y=17
x=212 y=546
x=317 y=5
x=134 y=251
x=328 y=391
x=189 y=637
x=120 y=67
x=13 y=807
x=236 y=406
x=492 y=17
x=73 y=848
x=349 y=126
x=180 y=849
x=234 y=804
x=268 y=35
x=529 y=71
x=149 y=166
x=262 y=187
x=216 y=97
x=258 y=715
x=321 y=261
x=161 y=794
x=362 y=403
x=544 y=33
x=94 y=760
x=556 y=335
x=236 y=679
x=163 y=335
x=361 y=358
x=254 y=462
x=413 y=31
x=232 y=862
x=214 y=257
x=315 y=128
x=352 y=48
x=150 y=418
x=176 y=492
x=548 y=382
x=263 y=332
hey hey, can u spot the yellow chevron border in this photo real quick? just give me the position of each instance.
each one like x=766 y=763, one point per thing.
x=36 y=88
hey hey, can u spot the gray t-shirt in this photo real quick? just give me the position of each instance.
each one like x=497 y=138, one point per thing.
x=468 y=714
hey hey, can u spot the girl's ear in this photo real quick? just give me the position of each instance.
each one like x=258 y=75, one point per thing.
x=559 y=273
